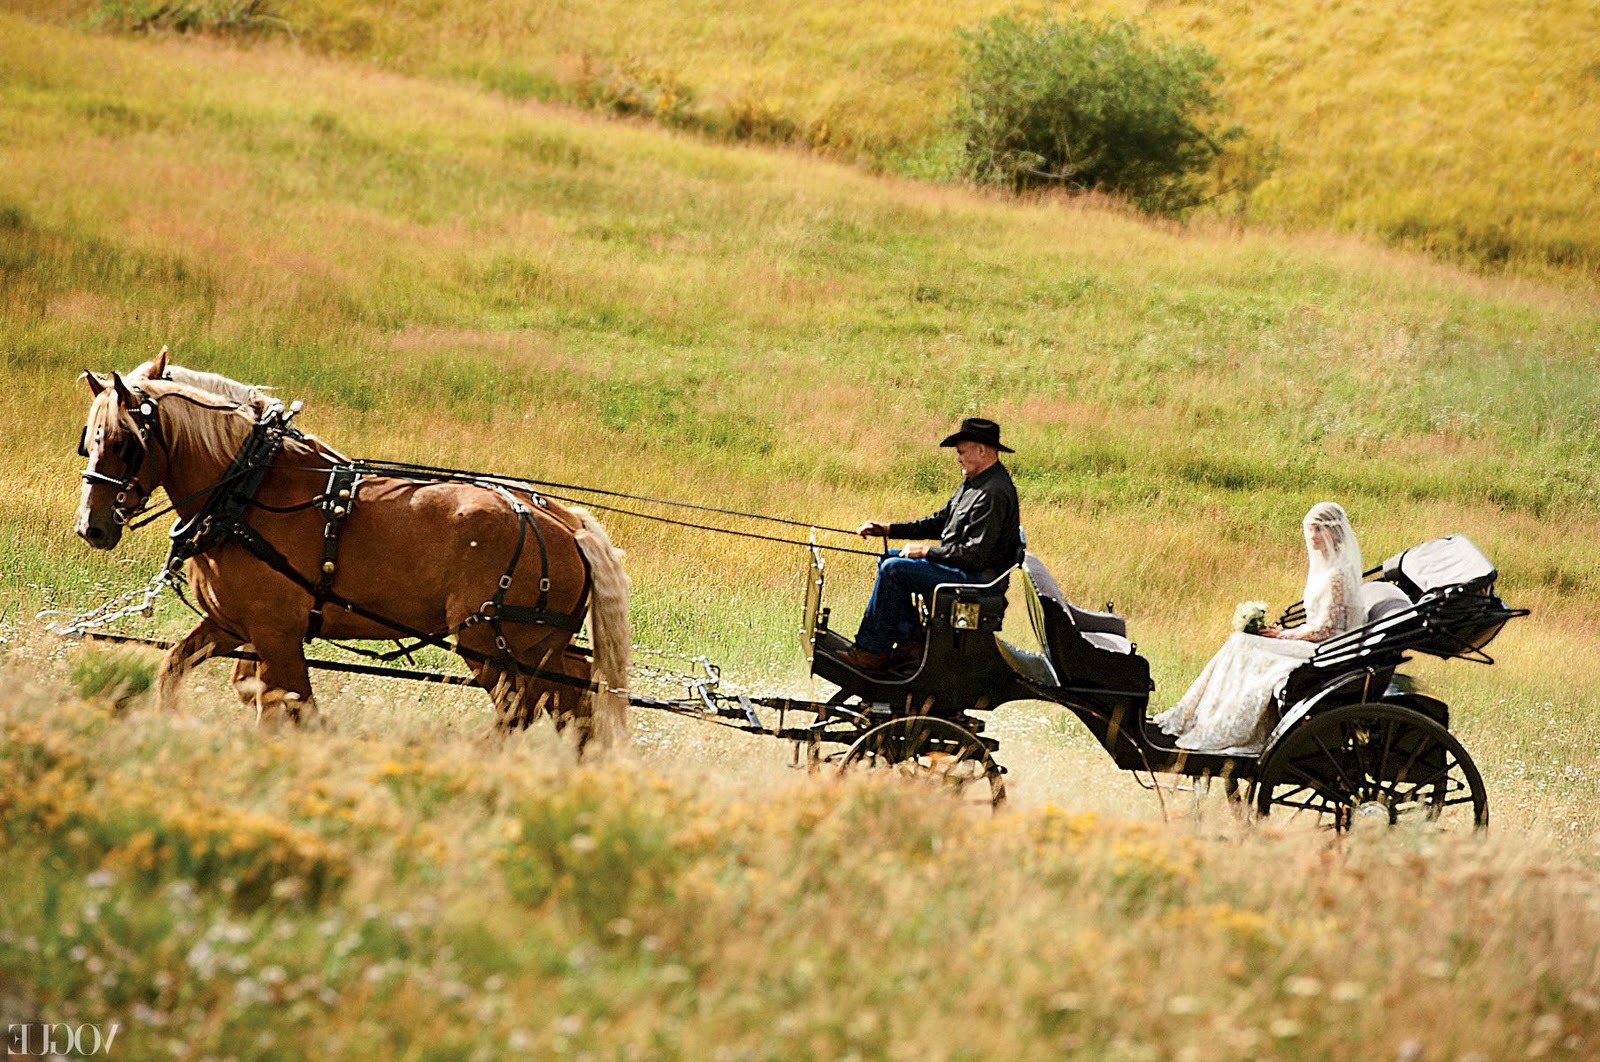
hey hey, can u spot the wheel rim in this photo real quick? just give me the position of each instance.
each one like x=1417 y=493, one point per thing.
x=1373 y=763
x=931 y=751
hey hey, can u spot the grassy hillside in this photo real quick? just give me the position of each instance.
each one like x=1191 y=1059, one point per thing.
x=1464 y=127
x=446 y=275
x=400 y=891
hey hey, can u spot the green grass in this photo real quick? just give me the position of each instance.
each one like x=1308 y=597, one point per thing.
x=446 y=277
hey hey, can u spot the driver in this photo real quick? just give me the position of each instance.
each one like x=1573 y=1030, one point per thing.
x=979 y=536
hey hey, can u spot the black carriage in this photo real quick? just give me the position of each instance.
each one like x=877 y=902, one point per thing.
x=1355 y=737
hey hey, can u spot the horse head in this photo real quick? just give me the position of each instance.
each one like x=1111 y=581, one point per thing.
x=119 y=440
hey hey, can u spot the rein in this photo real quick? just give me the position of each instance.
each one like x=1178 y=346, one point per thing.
x=430 y=473
x=396 y=465
x=723 y=530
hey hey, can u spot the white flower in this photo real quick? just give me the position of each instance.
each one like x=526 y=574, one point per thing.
x=1250 y=616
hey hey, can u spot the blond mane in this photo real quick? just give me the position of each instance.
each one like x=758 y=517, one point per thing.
x=214 y=414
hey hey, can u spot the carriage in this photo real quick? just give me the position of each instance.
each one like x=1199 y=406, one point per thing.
x=1355 y=738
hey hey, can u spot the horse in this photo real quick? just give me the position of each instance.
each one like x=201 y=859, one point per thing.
x=439 y=559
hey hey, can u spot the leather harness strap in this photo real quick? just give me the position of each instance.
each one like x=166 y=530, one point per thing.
x=226 y=506
x=337 y=502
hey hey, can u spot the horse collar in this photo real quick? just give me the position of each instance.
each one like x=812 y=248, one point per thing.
x=222 y=516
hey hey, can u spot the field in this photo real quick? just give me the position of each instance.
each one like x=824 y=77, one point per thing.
x=451 y=275
x=1465 y=128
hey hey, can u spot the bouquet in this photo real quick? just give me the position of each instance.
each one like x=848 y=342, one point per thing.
x=1250 y=616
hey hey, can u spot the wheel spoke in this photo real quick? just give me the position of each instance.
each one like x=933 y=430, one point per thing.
x=1360 y=751
x=1415 y=752
x=1319 y=785
x=1442 y=772
x=1343 y=760
x=1327 y=752
x=1381 y=781
x=931 y=751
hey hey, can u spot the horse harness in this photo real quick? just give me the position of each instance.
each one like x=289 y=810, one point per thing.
x=148 y=426
x=224 y=518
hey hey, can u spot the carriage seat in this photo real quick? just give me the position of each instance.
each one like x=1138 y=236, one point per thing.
x=1438 y=563
x=1104 y=629
x=1382 y=600
x=976 y=607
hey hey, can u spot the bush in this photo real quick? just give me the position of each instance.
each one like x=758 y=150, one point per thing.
x=1092 y=106
x=635 y=88
x=224 y=17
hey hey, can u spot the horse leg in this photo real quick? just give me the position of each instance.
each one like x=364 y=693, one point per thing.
x=247 y=680
x=285 y=681
x=205 y=641
x=506 y=692
x=568 y=704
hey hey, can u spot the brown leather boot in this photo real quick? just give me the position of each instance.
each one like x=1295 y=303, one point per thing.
x=862 y=660
x=908 y=653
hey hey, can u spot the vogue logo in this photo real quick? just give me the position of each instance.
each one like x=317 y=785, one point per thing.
x=59 y=1038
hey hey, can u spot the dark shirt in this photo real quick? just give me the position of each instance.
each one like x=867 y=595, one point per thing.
x=979 y=529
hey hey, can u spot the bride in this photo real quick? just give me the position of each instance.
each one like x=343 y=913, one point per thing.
x=1226 y=708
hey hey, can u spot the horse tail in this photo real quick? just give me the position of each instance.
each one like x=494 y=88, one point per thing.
x=609 y=629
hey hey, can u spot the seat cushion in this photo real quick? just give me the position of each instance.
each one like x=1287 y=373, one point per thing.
x=1112 y=642
x=1382 y=600
x=1087 y=620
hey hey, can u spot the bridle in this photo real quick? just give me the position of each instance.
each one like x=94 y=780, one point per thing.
x=147 y=423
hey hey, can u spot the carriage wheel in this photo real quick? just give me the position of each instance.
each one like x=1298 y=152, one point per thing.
x=1373 y=762
x=935 y=750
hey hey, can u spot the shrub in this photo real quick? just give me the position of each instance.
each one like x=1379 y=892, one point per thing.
x=635 y=88
x=1092 y=106
x=224 y=17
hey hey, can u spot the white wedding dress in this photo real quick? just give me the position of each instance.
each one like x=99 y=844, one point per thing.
x=1225 y=709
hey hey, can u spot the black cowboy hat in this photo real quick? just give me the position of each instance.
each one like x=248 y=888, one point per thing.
x=978 y=430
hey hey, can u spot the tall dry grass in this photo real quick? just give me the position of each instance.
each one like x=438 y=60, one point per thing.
x=1465 y=128
x=401 y=887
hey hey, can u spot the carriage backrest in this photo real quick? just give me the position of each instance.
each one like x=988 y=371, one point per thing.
x=1085 y=647
x=1449 y=561
x=1082 y=619
x=1381 y=600
x=1436 y=598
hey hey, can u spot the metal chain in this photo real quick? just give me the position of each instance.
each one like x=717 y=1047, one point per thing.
x=140 y=601
x=705 y=686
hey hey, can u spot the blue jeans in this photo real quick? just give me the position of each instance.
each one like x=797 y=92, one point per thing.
x=891 y=617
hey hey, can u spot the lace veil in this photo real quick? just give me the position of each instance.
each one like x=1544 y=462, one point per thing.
x=1339 y=561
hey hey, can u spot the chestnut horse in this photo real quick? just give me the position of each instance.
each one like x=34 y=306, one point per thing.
x=413 y=556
